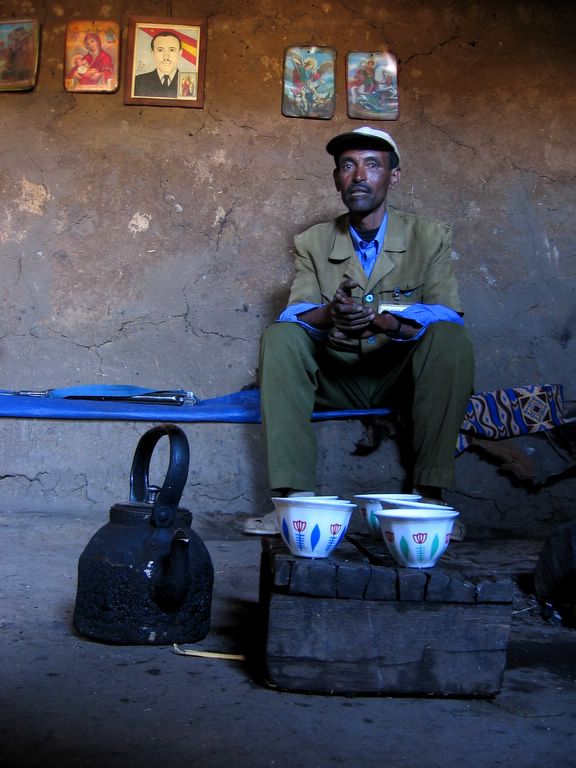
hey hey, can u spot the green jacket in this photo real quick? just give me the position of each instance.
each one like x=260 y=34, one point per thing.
x=414 y=266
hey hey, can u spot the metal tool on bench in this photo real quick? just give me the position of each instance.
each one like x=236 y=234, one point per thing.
x=126 y=393
x=145 y=578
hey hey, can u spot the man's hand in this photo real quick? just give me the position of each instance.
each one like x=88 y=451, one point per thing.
x=339 y=340
x=350 y=318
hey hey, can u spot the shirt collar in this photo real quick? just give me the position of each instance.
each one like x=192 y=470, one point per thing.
x=161 y=75
x=360 y=245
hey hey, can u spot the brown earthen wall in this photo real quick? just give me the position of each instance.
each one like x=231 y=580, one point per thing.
x=152 y=245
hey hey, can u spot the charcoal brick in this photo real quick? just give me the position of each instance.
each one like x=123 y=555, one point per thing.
x=313 y=577
x=500 y=591
x=411 y=585
x=282 y=570
x=383 y=584
x=352 y=580
x=446 y=587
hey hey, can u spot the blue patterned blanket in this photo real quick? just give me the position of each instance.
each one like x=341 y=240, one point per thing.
x=512 y=412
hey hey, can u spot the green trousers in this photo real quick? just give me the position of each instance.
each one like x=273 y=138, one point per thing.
x=430 y=380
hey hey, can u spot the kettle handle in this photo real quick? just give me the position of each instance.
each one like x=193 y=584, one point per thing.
x=166 y=504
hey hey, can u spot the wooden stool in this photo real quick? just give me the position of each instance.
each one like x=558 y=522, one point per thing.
x=348 y=625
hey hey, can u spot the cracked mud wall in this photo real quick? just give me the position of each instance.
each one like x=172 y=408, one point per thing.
x=152 y=245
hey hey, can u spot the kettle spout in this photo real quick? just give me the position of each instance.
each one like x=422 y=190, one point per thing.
x=172 y=584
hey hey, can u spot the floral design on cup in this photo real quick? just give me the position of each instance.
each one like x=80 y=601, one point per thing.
x=299 y=527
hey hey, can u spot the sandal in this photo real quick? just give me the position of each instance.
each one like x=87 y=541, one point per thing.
x=267 y=525
x=458 y=531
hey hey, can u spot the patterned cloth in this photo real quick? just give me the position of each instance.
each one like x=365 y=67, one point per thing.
x=512 y=412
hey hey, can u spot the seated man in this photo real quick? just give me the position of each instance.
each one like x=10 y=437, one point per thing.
x=373 y=320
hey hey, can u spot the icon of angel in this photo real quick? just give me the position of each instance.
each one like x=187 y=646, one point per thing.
x=309 y=83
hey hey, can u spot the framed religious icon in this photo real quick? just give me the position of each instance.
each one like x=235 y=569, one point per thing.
x=92 y=56
x=372 y=85
x=308 y=85
x=165 y=62
x=19 y=48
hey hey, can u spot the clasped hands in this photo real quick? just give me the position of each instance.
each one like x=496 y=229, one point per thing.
x=352 y=320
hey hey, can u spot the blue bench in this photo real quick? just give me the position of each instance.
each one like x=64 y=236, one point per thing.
x=237 y=408
x=495 y=415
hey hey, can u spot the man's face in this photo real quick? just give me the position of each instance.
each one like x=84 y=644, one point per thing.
x=166 y=52
x=363 y=177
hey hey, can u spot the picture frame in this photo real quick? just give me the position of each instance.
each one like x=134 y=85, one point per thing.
x=92 y=56
x=372 y=85
x=165 y=62
x=308 y=86
x=19 y=53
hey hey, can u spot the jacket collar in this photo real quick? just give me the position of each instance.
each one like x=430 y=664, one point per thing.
x=342 y=249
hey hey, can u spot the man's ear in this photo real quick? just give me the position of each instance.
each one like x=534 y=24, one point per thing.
x=336 y=181
x=395 y=177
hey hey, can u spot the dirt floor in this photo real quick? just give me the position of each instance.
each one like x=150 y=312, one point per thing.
x=66 y=701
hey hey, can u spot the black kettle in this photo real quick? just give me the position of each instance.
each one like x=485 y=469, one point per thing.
x=145 y=578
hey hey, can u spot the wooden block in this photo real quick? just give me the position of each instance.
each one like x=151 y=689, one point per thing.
x=444 y=587
x=500 y=591
x=362 y=646
x=411 y=584
x=343 y=625
x=438 y=587
x=383 y=584
x=352 y=580
x=313 y=577
x=282 y=571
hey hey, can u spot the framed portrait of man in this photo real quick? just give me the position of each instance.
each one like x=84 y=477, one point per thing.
x=92 y=56
x=19 y=48
x=165 y=62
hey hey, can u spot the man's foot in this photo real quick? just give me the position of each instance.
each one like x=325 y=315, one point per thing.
x=434 y=495
x=267 y=525
x=430 y=493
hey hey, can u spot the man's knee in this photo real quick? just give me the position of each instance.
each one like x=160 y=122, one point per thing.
x=279 y=331
x=451 y=341
x=285 y=349
x=445 y=352
x=283 y=336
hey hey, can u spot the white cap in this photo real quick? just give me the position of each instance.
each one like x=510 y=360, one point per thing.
x=362 y=138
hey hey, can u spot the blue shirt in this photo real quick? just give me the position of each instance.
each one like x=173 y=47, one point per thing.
x=367 y=253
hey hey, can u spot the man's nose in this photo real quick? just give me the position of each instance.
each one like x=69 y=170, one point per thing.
x=359 y=173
